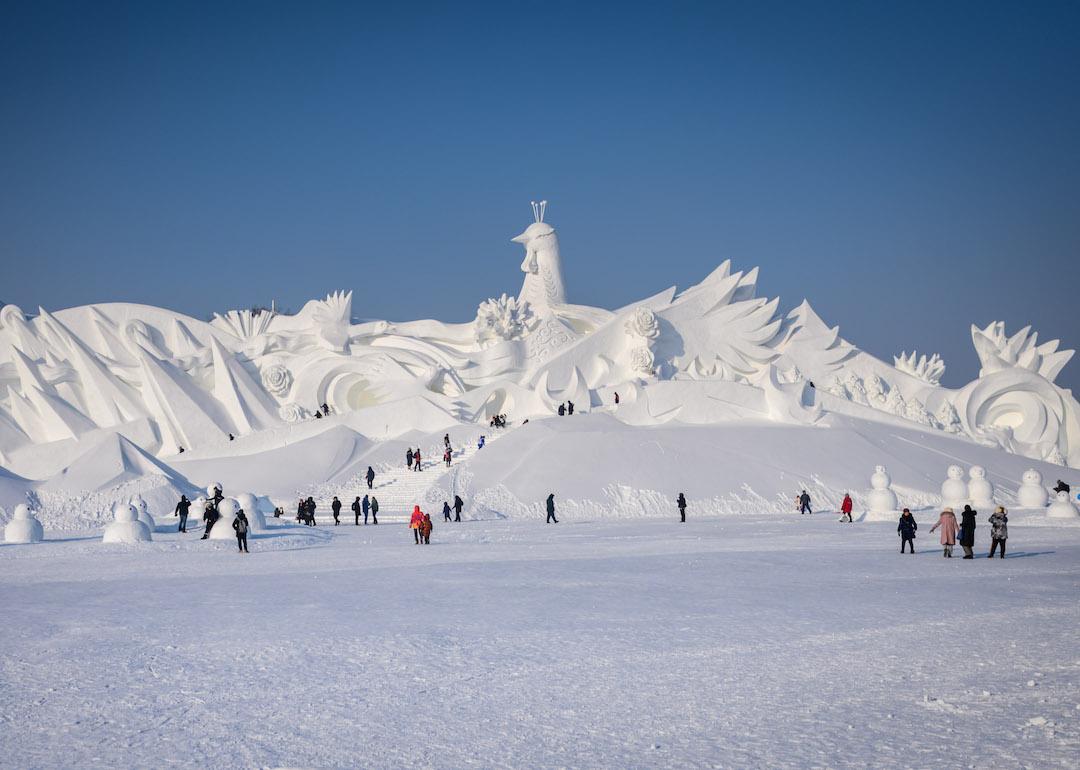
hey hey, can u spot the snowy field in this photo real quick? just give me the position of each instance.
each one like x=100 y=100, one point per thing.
x=738 y=641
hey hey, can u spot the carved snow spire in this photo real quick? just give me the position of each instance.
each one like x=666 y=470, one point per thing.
x=538 y=210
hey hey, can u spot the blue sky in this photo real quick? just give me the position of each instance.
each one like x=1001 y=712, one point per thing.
x=909 y=169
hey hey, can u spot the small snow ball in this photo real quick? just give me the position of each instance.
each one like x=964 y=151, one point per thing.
x=127 y=528
x=223 y=530
x=24 y=527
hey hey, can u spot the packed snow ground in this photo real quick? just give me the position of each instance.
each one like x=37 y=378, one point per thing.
x=739 y=641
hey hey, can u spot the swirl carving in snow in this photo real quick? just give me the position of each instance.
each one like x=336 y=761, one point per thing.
x=277 y=379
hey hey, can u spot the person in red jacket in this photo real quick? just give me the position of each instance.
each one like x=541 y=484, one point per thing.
x=415 y=521
x=845 y=508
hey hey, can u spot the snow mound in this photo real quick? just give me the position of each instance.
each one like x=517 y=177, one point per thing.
x=23 y=528
x=126 y=528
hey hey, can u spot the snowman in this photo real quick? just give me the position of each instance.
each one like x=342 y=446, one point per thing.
x=223 y=530
x=881 y=498
x=953 y=490
x=24 y=527
x=142 y=512
x=127 y=528
x=249 y=504
x=1062 y=507
x=1032 y=493
x=980 y=490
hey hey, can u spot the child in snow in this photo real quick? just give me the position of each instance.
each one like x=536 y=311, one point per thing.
x=999 y=531
x=906 y=529
x=446 y=510
x=949 y=528
x=425 y=529
x=845 y=510
x=414 y=523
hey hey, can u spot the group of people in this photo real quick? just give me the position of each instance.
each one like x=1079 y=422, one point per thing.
x=412 y=459
x=211 y=515
x=964 y=532
x=497 y=421
x=565 y=409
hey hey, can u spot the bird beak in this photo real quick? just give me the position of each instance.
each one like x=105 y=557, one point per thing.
x=523 y=238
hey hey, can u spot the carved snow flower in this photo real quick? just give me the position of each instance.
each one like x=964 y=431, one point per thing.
x=643 y=323
x=277 y=379
x=292 y=412
x=642 y=360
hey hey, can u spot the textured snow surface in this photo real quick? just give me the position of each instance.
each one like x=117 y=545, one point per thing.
x=739 y=641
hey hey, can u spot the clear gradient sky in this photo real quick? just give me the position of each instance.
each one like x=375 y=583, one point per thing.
x=909 y=170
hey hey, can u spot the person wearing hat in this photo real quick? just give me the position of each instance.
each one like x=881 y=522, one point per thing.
x=906 y=529
x=949 y=528
x=241 y=525
x=967 y=531
x=999 y=531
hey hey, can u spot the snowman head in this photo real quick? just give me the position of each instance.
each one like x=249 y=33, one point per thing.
x=977 y=472
x=1032 y=476
x=879 y=469
x=955 y=472
x=22 y=512
x=1062 y=496
x=124 y=512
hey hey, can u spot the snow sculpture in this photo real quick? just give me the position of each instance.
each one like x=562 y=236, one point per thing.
x=855 y=388
x=926 y=369
x=250 y=506
x=954 y=492
x=895 y=403
x=504 y=318
x=997 y=352
x=1032 y=493
x=875 y=391
x=947 y=417
x=543 y=286
x=1062 y=507
x=143 y=512
x=916 y=412
x=836 y=388
x=277 y=379
x=980 y=490
x=223 y=529
x=292 y=413
x=881 y=500
x=127 y=528
x=331 y=319
x=23 y=527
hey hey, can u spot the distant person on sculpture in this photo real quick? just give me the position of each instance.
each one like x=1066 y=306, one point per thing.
x=681 y=503
x=414 y=523
x=446 y=511
x=845 y=508
x=616 y=398
x=906 y=528
x=240 y=524
x=562 y=410
x=370 y=477
x=335 y=506
x=551 y=509
x=458 y=505
x=999 y=531
x=949 y=528
x=325 y=410
x=182 y=509
x=967 y=531
x=374 y=511
x=356 y=509
x=569 y=407
x=425 y=529
x=804 y=503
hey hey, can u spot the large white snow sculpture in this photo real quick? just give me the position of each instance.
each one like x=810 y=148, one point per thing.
x=980 y=490
x=126 y=528
x=166 y=381
x=1062 y=507
x=23 y=527
x=223 y=529
x=1032 y=493
x=250 y=505
x=881 y=500
x=954 y=492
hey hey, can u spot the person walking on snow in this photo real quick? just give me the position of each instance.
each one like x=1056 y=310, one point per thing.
x=365 y=504
x=804 y=503
x=949 y=528
x=409 y=458
x=906 y=529
x=370 y=477
x=374 y=510
x=551 y=509
x=446 y=511
x=446 y=457
x=458 y=505
x=240 y=524
x=616 y=398
x=356 y=508
x=999 y=531
x=182 y=509
x=967 y=531
x=845 y=508
x=425 y=529
x=414 y=523
x=309 y=507
x=569 y=407
x=416 y=459
x=301 y=511
x=336 y=508
x=681 y=502
x=210 y=515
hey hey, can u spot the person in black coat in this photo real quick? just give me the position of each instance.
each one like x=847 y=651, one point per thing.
x=370 y=477
x=210 y=515
x=551 y=509
x=446 y=511
x=967 y=531
x=458 y=505
x=804 y=503
x=906 y=529
x=182 y=509
x=336 y=508
x=562 y=410
x=309 y=508
x=569 y=407
x=240 y=524
x=356 y=509
x=374 y=511
x=681 y=502
x=409 y=458
x=366 y=505
x=301 y=511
